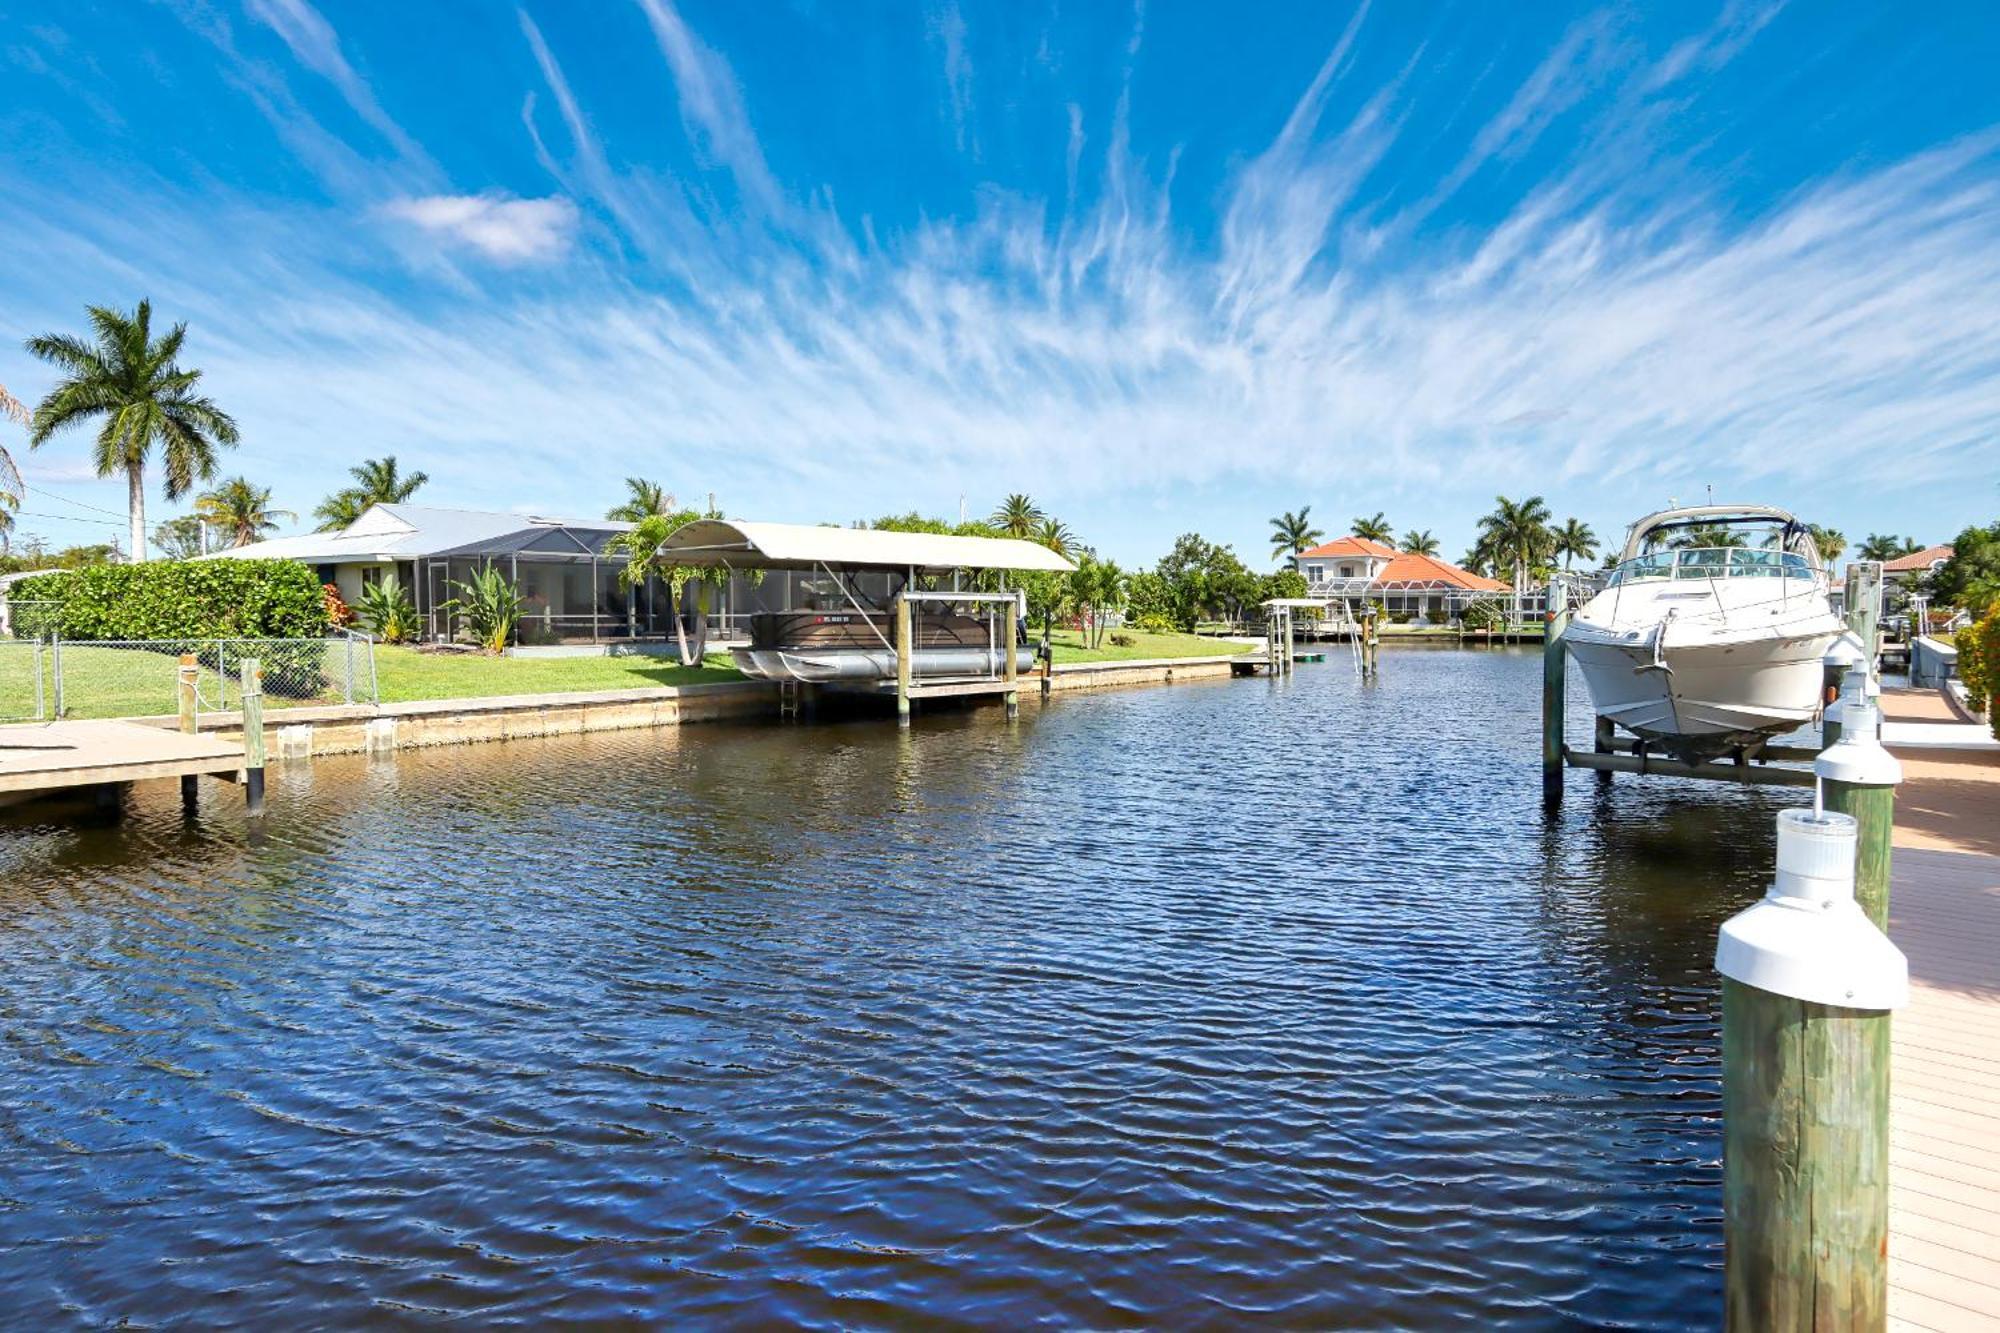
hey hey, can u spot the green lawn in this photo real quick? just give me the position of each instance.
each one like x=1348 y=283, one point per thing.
x=406 y=674
x=1068 y=647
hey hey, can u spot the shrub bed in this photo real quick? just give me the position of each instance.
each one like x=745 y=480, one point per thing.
x=176 y=599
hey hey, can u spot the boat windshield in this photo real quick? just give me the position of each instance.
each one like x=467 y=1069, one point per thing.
x=1712 y=562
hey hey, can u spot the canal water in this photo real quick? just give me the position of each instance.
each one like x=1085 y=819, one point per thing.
x=1202 y=1006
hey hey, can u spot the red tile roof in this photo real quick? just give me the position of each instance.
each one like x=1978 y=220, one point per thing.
x=1411 y=568
x=1351 y=546
x=1917 y=560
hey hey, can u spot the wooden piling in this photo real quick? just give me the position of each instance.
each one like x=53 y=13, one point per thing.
x=186 y=690
x=903 y=642
x=1008 y=622
x=1864 y=606
x=253 y=736
x=1805 y=1092
x=1555 y=659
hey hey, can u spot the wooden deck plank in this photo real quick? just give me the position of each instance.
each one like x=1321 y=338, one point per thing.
x=1944 y=1143
x=50 y=756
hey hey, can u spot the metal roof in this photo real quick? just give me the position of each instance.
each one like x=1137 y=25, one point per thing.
x=714 y=541
x=405 y=532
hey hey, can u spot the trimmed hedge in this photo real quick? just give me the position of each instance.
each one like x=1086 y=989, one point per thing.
x=176 y=599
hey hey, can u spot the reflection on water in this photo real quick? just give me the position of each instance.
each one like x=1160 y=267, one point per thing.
x=1180 y=1006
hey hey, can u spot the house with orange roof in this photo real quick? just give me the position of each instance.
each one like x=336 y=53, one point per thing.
x=1360 y=569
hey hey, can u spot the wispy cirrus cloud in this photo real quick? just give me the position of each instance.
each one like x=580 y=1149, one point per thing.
x=314 y=44
x=509 y=230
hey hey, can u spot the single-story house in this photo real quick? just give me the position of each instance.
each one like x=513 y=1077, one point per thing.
x=1358 y=568
x=568 y=580
x=1905 y=570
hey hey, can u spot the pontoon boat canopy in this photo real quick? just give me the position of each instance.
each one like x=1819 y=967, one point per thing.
x=714 y=541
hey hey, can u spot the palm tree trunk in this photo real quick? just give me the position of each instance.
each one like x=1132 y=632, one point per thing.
x=135 y=477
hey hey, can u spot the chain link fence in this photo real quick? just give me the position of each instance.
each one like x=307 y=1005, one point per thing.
x=44 y=677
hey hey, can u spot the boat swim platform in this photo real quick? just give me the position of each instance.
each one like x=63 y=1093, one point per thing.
x=52 y=756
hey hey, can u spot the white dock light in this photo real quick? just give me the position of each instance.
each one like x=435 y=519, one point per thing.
x=1808 y=938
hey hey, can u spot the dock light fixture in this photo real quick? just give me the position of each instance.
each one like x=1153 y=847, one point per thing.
x=1808 y=938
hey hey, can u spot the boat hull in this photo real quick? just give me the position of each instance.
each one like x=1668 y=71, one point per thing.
x=1703 y=699
x=829 y=664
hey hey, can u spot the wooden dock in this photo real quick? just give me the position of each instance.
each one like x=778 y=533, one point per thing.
x=51 y=756
x=1944 y=1118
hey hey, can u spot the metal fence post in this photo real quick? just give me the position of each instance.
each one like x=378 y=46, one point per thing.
x=350 y=669
x=55 y=665
x=39 y=700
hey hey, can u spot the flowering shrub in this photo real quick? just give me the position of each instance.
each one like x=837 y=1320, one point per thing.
x=338 y=613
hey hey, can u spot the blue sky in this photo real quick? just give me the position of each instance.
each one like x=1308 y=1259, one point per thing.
x=1170 y=267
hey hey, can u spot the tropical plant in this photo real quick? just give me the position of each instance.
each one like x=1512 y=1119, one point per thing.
x=1830 y=541
x=642 y=498
x=1376 y=529
x=179 y=538
x=239 y=511
x=338 y=613
x=376 y=481
x=182 y=599
x=1880 y=546
x=1097 y=589
x=387 y=611
x=1200 y=578
x=1018 y=516
x=1516 y=534
x=490 y=605
x=133 y=381
x=646 y=561
x=1574 y=539
x=1970 y=578
x=1293 y=534
x=1055 y=534
x=1420 y=543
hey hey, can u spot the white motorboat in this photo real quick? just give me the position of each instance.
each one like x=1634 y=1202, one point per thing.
x=1710 y=633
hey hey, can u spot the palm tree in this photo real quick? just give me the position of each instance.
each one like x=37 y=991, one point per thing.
x=1516 y=534
x=377 y=481
x=1881 y=547
x=1420 y=543
x=1017 y=516
x=1574 y=538
x=1376 y=529
x=133 y=382
x=240 y=511
x=1831 y=542
x=1055 y=534
x=643 y=497
x=1292 y=534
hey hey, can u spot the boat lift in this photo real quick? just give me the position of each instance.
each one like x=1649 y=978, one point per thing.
x=1762 y=764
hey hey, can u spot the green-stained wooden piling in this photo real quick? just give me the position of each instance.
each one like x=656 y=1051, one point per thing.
x=1805 y=1091
x=1858 y=777
x=1554 y=666
x=253 y=736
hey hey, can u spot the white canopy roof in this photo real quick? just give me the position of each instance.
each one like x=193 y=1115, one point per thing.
x=714 y=541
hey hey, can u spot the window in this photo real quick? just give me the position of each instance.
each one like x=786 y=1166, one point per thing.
x=1314 y=573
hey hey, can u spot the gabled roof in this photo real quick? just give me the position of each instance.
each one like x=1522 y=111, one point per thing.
x=1351 y=547
x=721 y=542
x=1409 y=567
x=1916 y=561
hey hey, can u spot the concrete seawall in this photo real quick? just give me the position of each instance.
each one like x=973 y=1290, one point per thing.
x=305 y=733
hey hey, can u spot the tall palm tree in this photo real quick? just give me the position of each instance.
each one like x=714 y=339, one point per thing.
x=1574 y=538
x=1017 y=516
x=1420 y=543
x=1831 y=542
x=376 y=481
x=1055 y=534
x=1292 y=534
x=132 y=380
x=1376 y=529
x=1888 y=547
x=240 y=511
x=1517 y=533
x=643 y=498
